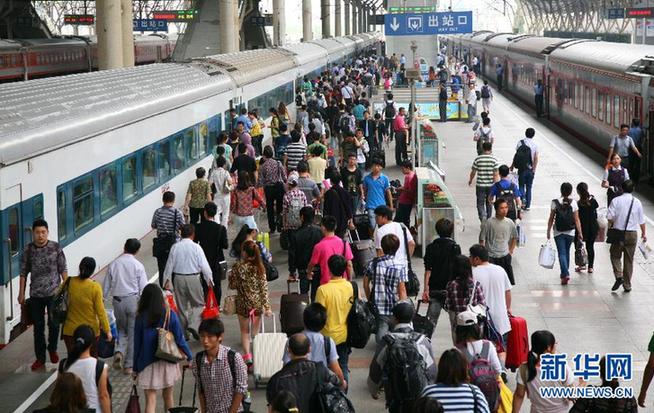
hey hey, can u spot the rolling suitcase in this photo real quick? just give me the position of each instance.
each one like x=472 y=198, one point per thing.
x=291 y=310
x=517 y=344
x=421 y=323
x=180 y=408
x=362 y=225
x=363 y=251
x=268 y=351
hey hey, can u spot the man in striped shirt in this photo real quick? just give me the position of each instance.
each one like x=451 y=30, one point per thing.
x=295 y=152
x=485 y=167
x=167 y=220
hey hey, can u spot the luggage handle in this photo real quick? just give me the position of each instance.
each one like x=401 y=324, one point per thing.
x=262 y=317
x=288 y=286
x=181 y=390
x=418 y=307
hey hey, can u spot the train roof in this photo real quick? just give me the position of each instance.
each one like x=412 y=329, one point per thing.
x=535 y=45
x=41 y=115
x=613 y=57
x=252 y=65
x=335 y=49
x=306 y=52
x=500 y=40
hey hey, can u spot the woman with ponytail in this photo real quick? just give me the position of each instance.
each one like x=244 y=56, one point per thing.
x=85 y=306
x=67 y=396
x=529 y=382
x=83 y=365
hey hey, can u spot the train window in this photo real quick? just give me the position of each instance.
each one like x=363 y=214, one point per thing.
x=587 y=96
x=582 y=99
x=575 y=97
x=62 y=222
x=229 y=123
x=108 y=190
x=163 y=152
x=600 y=106
x=130 y=187
x=13 y=227
x=608 y=108
x=83 y=203
x=191 y=144
x=593 y=103
x=616 y=111
x=177 y=154
x=37 y=208
x=149 y=167
x=203 y=140
x=625 y=113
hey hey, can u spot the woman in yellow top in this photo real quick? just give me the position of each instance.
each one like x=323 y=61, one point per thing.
x=284 y=116
x=198 y=194
x=248 y=278
x=275 y=123
x=85 y=306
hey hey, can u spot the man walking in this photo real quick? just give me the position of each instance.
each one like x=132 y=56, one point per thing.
x=623 y=144
x=499 y=235
x=485 y=168
x=167 y=220
x=376 y=190
x=45 y=262
x=212 y=237
x=124 y=281
x=385 y=226
x=401 y=131
x=442 y=102
x=471 y=101
x=539 y=91
x=185 y=264
x=301 y=243
x=625 y=214
x=408 y=194
x=525 y=161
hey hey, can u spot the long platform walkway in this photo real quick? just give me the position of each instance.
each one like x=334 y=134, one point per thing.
x=584 y=316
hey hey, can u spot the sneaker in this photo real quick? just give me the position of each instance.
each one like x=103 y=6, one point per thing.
x=627 y=290
x=618 y=282
x=54 y=357
x=565 y=280
x=38 y=365
x=118 y=360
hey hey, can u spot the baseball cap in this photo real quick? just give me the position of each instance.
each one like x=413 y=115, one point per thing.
x=293 y=178
x=466 y=318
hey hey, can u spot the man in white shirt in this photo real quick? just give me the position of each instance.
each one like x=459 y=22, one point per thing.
x=471 y=101
x=185 y=263
x=497 y=291
x=385 y=225
x=626 y=214
x=124 y=281
x=526 y=168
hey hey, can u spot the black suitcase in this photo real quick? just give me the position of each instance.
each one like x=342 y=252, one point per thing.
x=291 y=310
x=362 y=225
x=363 y=251
x=421 y=323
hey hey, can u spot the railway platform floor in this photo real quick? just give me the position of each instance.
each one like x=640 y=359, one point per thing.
x=585 y=316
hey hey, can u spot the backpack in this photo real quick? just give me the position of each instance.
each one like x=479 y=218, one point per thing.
x=485 y=92
x=344 y=123
x=99 y=367
x=483 y=376
x=333 y=399
x=478 y=95
x=508 y=194
x=483 y=137
x=564 y=220
x=522 y=157
x=405 y=369
x=231 y=361
x=360 y=321
x=293 y=215
x=389 y=110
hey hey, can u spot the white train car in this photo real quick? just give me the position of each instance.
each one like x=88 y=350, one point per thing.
x=92 y=153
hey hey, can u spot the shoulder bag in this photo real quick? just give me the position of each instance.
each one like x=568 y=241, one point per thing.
x=162 y=244
x=413 y=284
x=479 y=309
x=60 y=303
x=166 y=345
x=614 y=235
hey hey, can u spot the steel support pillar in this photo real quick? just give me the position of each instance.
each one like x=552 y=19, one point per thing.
x=307 y=30
x=109 y=29
x=326 y=20
x=355 y=12
x=127 y=33
x=338 y=19
x=347 y=19
x=279 y=23
x=226 y=26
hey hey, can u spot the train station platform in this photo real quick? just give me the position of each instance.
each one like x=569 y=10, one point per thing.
x=585 y=316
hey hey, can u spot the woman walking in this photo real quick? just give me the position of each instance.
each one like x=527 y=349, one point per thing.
x=221 y=180
x=460 y=290
x=248 y=278
x=275 y=123
x=244 y=195
x=284 y=115
x=198 y=194
x=588 y=218
x=564 y=218
x=272 y=176
x=154 y=374
x=248 y=234
x=614 y=175
x=85 y=306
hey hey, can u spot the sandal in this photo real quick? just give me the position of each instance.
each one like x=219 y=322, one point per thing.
x=590 y=270
x=580 y=269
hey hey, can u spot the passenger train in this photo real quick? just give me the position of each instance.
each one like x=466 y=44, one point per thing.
x=24 y=59
x=591 y=87
x=92 y=153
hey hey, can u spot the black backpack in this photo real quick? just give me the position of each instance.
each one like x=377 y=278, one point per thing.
x=564 y=220
x=360 y=321
x=508 y=195
x=389 y=110
x=485 y=92
x=99 y=367
x=344 y=124
x=405 y=369
x=522 y=157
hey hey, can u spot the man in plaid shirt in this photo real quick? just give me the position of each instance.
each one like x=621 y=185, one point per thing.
x=387 y=276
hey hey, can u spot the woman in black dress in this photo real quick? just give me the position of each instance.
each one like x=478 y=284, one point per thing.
x=588 y=217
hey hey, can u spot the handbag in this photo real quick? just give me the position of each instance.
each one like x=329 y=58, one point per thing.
x=271 y=271
x=166 y=345
x=581 y=256
x=479 y=309
x=616 y=236
x=60 y=303
x=413 y=283
x=506 y=398
x=133 y=405
x=547 y=256
x=211 y=309
x=229 y=305
x=162 y=244
x=26 y=314
x=106 y=349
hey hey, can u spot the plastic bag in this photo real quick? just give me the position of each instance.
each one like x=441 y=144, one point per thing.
x=170 y=299
x=581 y=256
x=211 y=309
x=602 y=225
x=112 y=323
x=547 y=256
x=522 y=235
x=644 y=249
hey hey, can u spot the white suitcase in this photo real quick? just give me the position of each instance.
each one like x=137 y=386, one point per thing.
x=268 y=351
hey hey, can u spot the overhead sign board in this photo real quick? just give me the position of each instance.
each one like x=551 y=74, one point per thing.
x=417 y=24
x=175 y=15
x=80 y=19
x=639 y=12
x=615 y=13
x=150 y=25
x=414 y=9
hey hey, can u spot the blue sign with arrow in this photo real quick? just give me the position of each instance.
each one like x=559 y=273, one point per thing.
x=416 y=24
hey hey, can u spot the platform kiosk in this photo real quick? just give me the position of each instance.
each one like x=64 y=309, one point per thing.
x=428 y=149
x=435 y=201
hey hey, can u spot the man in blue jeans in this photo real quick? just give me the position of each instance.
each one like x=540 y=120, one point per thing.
x=376 y=190
x=526 y=161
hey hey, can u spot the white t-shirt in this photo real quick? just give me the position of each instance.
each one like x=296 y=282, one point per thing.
x=542 y=405
x=531 y=144
x=394 y=228
x=475 y=347
x=85 y=370
x=495 y=283
x=575 y=208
